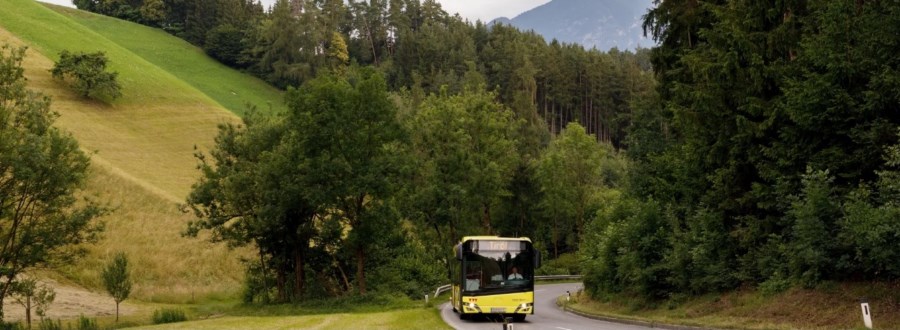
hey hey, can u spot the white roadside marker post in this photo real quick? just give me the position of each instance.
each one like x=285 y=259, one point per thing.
x=867 y=313
x=507 y=324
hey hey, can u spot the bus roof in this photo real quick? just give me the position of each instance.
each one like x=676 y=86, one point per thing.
x=494 y=238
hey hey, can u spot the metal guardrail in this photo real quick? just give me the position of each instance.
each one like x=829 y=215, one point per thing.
x=557 y=277
x=445 y=288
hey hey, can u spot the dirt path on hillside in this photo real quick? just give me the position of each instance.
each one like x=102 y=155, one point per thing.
x=70 y=302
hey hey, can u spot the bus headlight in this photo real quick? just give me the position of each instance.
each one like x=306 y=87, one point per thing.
x=473 y=307
x=524 y=308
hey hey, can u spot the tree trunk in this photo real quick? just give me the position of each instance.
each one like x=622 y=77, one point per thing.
x=299 y=273
x=117 y=315
x=2 y=297
x=555 y=239
x=360 y=269
x=343 y=274
x=28 y=312
x=265 y=277
x=486 y=219
x=279 y=283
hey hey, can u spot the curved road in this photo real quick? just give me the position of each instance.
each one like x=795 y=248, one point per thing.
x=546 y=315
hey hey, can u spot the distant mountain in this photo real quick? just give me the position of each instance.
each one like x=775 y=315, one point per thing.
x=593 y=23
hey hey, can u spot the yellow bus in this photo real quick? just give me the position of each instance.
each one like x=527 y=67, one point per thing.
x=493 y=275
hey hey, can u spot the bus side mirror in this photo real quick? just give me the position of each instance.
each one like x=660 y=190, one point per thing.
x=459 y=255
x=537 y=259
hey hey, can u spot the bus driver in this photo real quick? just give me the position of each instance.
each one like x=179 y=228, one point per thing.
x=514 y=274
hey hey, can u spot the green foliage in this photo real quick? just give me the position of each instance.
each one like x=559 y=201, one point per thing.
x=41 y=171
x=350 y=134
x=48 y=324
x=85 y=323
x=762 y=151
x=463 y=149
x=624 y=250
x=812 y=249
x=566 y=264
x=168 y=315
x=117 y=280
x=327 y=165
x=30 y=294
x=87 y=73
x=571 y=173
x=410 y=269
x=225 y=43
x=869 y=227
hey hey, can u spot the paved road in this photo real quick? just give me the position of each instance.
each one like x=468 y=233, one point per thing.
x=546 y=315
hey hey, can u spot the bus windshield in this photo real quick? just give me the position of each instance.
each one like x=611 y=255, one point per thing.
x=488 y=271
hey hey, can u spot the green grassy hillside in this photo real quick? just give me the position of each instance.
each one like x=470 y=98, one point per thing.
x=232 y=89
x=142 y=145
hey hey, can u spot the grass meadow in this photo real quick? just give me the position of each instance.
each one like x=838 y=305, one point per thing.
x=230 y=88
x=143 y=163
x=402 y=319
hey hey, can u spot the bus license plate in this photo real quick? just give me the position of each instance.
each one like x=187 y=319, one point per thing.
x=498 y=310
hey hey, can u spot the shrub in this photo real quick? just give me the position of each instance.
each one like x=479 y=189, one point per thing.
x=48 y=324
x=566 y=264
x=88 y=75
x=85 y=323
x=812 y=245
x=624 y=248
x=13 y=326
x=168 y=315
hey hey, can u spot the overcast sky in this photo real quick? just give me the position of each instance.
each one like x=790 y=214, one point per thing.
x=485 y=10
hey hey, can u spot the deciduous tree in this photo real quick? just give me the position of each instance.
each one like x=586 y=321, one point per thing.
x=42 y=170
x=117 y=280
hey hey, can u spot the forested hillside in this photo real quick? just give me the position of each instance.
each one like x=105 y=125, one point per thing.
x=415 y=44
x=770 y=157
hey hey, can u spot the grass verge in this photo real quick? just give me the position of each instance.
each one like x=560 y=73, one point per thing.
x=829 y=306
x=352 y=312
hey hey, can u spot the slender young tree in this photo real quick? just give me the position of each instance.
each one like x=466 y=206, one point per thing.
x=117 y=280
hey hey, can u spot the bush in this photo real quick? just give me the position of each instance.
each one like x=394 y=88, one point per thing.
x=623 y=250
x=566 y=264
x=12 y=326
x=47 y=324
x=88 y=75
x=812 y=245
x=168 y=315
x=85 y=323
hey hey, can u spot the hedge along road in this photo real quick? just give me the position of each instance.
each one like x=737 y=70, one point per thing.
x=546 y=315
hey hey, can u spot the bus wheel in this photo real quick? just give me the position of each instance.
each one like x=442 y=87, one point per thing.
x=518 y=317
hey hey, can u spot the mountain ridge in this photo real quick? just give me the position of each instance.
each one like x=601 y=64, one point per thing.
x=593 y=24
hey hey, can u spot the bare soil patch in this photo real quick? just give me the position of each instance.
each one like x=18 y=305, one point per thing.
x=70 y=302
